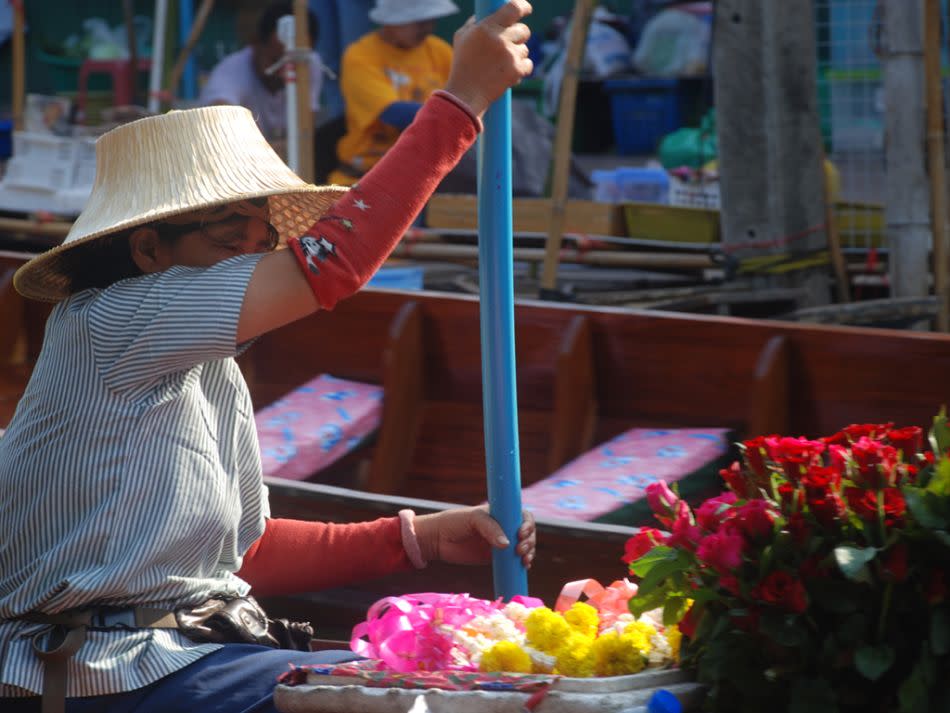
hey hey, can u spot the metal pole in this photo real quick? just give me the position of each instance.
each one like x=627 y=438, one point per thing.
x=496 y=286
x=158 y=56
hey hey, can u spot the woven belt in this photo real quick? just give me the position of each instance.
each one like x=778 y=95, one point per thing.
x=67 y=632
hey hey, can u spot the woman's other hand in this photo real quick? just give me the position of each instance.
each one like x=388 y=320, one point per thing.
x=466 y=536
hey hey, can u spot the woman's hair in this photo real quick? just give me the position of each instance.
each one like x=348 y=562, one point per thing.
x=100 y=263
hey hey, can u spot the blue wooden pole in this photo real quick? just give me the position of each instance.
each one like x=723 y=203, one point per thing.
x=496 y=288
x=189 y=80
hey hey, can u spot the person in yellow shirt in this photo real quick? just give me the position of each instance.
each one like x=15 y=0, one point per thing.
x=385 y=77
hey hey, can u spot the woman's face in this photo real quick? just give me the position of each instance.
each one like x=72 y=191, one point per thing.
x=210 y=244
x=407 y=36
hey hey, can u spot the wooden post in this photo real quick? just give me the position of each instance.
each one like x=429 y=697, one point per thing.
x=842 y=280
x=573 y=64
x=907 y=202
x=19 y=64
x=936 y=161
x=770 y=147
x=128 y=13
x=304 y=105
x=196 y=28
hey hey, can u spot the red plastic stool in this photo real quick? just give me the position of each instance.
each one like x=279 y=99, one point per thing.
x=119 y=70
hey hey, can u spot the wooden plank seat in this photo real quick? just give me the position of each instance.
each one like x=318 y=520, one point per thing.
x=374 y=346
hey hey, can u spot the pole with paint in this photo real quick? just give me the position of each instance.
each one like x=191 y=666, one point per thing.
x=496 y=288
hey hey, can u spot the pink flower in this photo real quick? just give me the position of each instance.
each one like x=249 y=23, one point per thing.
x=722 y=551
x=686 y=533
x=662 y=502
x=712 y=513
x=755 y=519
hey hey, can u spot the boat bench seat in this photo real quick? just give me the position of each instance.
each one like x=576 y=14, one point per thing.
x=316 y=424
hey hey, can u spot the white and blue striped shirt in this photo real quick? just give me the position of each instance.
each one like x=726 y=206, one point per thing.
x=130 y=473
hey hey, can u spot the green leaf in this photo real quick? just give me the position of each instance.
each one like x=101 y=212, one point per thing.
x=641 y=567
x=662 y=570
x=942 y=536
x=852 y=561
x=940 y=433
x=648 y=601
x=834 y=595
x=940 y=631
x=921 y=507
x=940 y=482
x=785 y=629
x=914 y=693
x=812 y=695
x=674 y=610
x=873 y=662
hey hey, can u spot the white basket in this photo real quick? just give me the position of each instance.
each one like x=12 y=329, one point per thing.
x=694 y=195
x=49 y=176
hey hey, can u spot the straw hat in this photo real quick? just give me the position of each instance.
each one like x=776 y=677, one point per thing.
x=164 y=166
x=401 y=12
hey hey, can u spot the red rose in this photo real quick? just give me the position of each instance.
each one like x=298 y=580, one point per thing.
x=894 y=563
x=895 y=507
x=798 y=529
x=792 y=499
x=689 y=622
x=722 y=551
x=756 y=519
x=828 y=509
x=755 y=450
x=935 y=589
x=820 y=479
x=876 y=463
x=795 y=455
x=862 y=502
x=783 y=590
x=908 y=441
x=855 y=432
x=737 y=480
x=641 y=543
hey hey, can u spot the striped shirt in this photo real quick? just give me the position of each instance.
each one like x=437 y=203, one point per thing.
x=130 y=473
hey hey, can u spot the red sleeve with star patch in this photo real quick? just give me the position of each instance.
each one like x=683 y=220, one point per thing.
x=347 y=245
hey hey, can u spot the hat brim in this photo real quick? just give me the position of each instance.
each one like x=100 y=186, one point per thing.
x=292 y=212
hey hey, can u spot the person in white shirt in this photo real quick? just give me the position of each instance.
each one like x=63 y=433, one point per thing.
x=241 y=78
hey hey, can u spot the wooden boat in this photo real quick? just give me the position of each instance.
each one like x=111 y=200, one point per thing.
x=584 y=375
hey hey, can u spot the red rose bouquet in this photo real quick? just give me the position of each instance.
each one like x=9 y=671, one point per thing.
x=818 y=581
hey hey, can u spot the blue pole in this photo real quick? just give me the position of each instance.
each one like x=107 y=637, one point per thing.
x=189 y=82
x=496 y=288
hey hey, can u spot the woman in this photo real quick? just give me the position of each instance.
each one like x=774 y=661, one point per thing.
x=134 y=516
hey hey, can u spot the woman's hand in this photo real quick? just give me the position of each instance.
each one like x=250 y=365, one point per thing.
x=490 y=56
x=466 y=536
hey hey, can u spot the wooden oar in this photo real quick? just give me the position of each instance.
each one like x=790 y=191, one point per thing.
x=496 y=286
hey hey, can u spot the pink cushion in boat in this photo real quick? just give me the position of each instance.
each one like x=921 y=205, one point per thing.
x=615 y=474
x=316 y=424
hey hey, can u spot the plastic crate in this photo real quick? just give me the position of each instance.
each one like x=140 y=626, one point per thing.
x=643 y=112
x=704 y=194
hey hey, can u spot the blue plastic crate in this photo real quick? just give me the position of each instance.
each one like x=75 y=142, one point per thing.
x=6 y=139
x=644 y=111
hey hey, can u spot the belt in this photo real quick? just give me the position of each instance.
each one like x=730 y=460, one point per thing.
x=67 y=632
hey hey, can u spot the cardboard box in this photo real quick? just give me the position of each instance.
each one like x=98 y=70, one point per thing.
x=531 y=215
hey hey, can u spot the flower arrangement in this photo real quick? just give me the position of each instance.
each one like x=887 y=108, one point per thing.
x=455 y=632
x=818 y=580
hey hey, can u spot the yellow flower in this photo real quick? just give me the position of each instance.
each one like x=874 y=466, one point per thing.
x=617 y=654
x=506 y=656
x=640 y=633
x=674 y=636
x=545 y=630
x=583 y=618
x=575 y=657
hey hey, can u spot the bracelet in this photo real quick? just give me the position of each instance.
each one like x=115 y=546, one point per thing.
x=410 y=542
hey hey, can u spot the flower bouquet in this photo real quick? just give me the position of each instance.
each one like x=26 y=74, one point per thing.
x=818 y=581
x=456 y=632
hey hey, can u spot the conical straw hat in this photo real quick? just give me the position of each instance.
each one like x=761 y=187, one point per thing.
x=155 y=168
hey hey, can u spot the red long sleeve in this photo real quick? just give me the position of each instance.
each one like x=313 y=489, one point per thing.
x=346 y=246
x=294 y=556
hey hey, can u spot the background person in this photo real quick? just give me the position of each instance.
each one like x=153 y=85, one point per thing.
x=385 y=76
x=241 y=78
